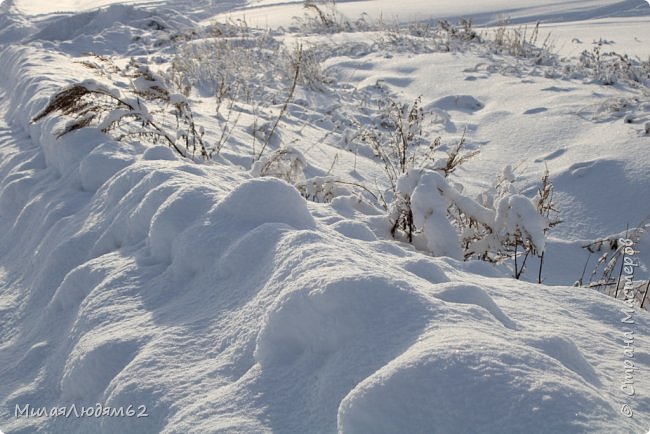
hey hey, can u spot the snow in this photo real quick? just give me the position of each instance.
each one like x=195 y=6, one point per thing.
x=40 y=8
x=441 y=381
x=101 y=164
x=427 y=191
x=275 y=12
x=518 y=212
x=215 y=295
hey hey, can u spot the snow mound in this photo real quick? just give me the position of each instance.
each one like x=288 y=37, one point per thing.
x=179 y=211
x=426 y=269
x=102 y=163
x=94 y=22
x=266 y=204
x=93 y=363
x=266 y=200
x=472 y=294
x=334 y=317
x=462 y=103
x=159 y=152
x=565 y=351
x=131 y=276
x=14 y=26
x=355 y=230
x=443 y=383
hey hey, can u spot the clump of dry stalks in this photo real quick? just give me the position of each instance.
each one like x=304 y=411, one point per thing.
x=137 y=113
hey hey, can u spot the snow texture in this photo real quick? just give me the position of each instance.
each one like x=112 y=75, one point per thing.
x=227 y=302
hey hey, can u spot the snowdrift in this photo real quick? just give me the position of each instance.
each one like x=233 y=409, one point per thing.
x=220 y=303
x=174 y=296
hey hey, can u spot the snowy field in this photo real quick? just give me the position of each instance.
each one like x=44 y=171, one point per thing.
x=308 y=217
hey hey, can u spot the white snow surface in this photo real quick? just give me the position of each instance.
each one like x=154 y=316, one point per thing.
x=130 y=276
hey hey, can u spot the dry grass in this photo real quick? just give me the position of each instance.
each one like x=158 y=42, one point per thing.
x=129 y=116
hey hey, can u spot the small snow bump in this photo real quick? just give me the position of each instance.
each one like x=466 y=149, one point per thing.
x=472 y=294
x=159 y=152
x=355 y=230
x=463 y=103
x=266 y=200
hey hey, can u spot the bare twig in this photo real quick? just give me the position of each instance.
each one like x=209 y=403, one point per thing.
x=286 y=103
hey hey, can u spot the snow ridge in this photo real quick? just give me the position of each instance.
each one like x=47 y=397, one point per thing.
x=222 y=303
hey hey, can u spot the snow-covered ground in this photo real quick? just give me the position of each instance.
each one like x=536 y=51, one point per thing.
x=178 y=294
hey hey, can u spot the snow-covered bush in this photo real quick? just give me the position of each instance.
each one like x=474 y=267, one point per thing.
x=520 y=224
x=427 y=206
x=421 y=208
x=433 y=213
x=610 y=67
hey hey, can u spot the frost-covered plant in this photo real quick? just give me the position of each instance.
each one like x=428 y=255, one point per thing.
x=297 y=63
x=520 y=226
x=421 y=37
x=464 y=31
x=233 y=66
x=308 y=61
x=612 y=254
x=248 y=72
x=289 y=164
x=519 y=43
x=547 y=208
x=610 y=67
x=319 y=188
x=415 y=38
x=604 y=68
x=420 y=209
x=326 y=188
x=325 y=12
x=321 y=16
x=400 y=135
x=400 y=143
x=137 y=112
x=455 y=157
x=285 y=163
x=609 y=109
x=431 y=211
x=241 y=63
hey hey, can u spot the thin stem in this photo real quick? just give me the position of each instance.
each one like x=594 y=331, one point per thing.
x=286 y=103
x=645 y=294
